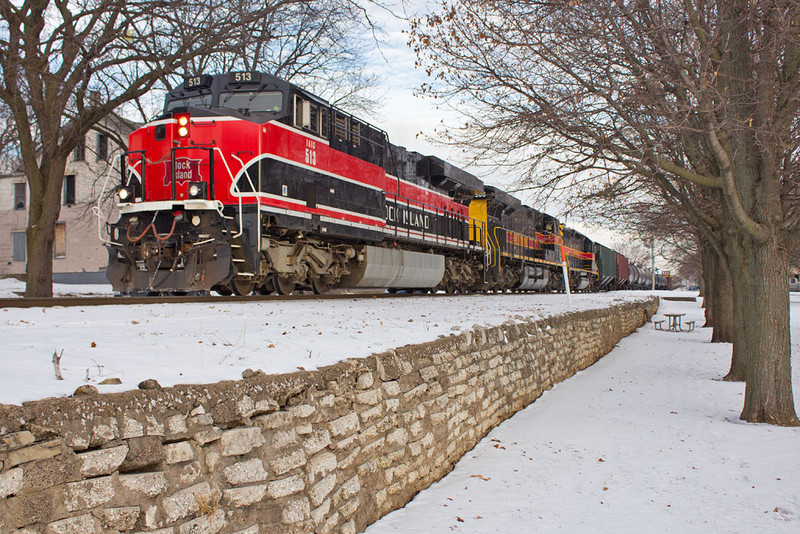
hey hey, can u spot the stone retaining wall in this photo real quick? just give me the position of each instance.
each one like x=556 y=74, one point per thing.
x=325 y=451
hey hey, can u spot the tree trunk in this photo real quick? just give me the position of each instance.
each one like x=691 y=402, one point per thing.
x=768 y=392
x=45 y=182
x=722 y=301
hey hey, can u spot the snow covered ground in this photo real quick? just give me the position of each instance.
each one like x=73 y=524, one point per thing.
x=202 y=343
x=646 y=440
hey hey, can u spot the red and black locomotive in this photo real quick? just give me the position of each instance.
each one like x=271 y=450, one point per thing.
x=248 y=183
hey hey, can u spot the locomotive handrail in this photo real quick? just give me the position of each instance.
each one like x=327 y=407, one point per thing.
x=143 y=160
x=99 y=211
x=240 y=194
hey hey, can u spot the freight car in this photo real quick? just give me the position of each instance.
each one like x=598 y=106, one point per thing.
x=247 y=183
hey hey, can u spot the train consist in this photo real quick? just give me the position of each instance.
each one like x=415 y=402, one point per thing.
x=247 y=183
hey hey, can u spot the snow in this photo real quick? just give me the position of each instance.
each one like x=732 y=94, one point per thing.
x=646 y=440
x=204 y=343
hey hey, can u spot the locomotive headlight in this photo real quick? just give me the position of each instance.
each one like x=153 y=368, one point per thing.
x=125 y=194
x=183 y=120
x=196 y=190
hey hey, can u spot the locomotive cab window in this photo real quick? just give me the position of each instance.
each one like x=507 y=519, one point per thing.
x=310 y=116
x=199 y=101
x=252 y=101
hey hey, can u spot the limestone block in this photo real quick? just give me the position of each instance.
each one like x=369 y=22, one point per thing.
x=123 y=518
x=246 y=406
x=392 y=405
x=274 y=420
x=82 y=524
x=168 y=530
x=365 y=380
x=151 y=484
x=39 y=451
x=429 y=373
x=176 y=424
x=345 y=425
x=374 y=447
x=286 y=486
x=391 y=388
x=89 y=493
x=202 y=419
x=372 y=413
x=103 y=461
x=178 y=452
x=348 y=528
x=246 y=496
x=322 y=489
x=284 y=438
x=131 y=428
x=317 y=441
x=302 y=411
x=397 y=437
x=153 y=427
x=10 y=482
x=206 y=524
x=370 y=397
x=295 y=511
x=248 y=530
x=103 y=433
x=207 y=436
x=18 y=440
x=265 y=406
x=186 y=502
x=143 y=453
x=245 y=472
x=51 y=472
x=321 y=464
x=241 y=441
x=286 y=463
x=319 y=514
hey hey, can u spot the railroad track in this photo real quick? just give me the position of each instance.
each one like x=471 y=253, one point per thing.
x=66 y=302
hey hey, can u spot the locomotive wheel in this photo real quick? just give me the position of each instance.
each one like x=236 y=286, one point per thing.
x=449 y=287
x=242 y=287
x=282 y=285
x=319 y=287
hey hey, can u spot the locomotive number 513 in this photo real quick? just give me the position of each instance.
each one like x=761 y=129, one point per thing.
x=311 y=152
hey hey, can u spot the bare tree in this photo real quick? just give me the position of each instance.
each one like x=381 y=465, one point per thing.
x=66 y=65
x=693 y=100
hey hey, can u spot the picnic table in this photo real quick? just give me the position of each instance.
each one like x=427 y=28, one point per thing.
x=674 y=323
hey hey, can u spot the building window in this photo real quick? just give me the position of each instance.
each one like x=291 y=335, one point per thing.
x=79 y=154
x=69 y=190
x=60 y=245
x=18 y=246
x=102 y=147
x=19 y=196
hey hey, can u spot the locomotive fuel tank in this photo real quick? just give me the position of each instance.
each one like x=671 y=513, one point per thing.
x=394 y=268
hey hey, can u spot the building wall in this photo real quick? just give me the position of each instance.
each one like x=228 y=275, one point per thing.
x=85 y=252
x=325 y=451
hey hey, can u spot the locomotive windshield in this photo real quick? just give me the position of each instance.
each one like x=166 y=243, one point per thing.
x=201 y=101
x=252 y=101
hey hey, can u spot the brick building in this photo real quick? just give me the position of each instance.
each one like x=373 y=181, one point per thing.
x=78 y=253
